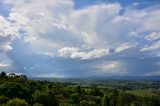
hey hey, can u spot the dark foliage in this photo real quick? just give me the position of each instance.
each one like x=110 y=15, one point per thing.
x=20 y=91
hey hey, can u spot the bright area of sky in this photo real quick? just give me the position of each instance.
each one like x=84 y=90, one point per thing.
x=80 y=38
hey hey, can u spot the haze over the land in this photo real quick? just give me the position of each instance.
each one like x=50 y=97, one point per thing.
x=80 y=38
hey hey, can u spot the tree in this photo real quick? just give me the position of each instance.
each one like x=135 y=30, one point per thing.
x=155 y=101
x=146 y=101
x=3 y=99
x=85 y=103
x=135 y=104
x=75 y=98
x=45 y=98
x=114 y=98
x=23 y=76
x=105 y=100
x=3 y=74
x=96 y=92
x=37 y=104
x=17 y=102
x=78 y=89
x=125 y=99
x=98 y=101
x=12 y=90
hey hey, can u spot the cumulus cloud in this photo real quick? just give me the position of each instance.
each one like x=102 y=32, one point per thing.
x=154 y=46
x=76 y=53
x=112 y=68
x=7 y=34
x=5 y=47
x=124 y=47
x=153 y=36
x=65 y=52
x=59 y=24
x=72 y=52
x=56 y=28
x=4 y=65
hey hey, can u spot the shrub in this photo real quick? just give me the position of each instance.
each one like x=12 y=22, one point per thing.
x=3 y=99
x=75 y=98
x=12 y=90
x=45 y=98
x=37 y=104
x=17 y=102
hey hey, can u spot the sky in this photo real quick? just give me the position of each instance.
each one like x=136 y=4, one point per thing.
x=80 y=38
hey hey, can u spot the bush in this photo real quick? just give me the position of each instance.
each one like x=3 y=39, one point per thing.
x=75 y=98
x=3 y=99
x=12 y=90
x=85 y=103
x=17 y=102
x=45 y=98
x=37 y=104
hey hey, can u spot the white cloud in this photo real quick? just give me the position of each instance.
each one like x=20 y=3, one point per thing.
x=153 y=36
x=51 y=75
x=154 y=46
x=96 y=53
x=18 y=19
x=112 y=68
x=58 y=21
x=7 y=33
x=5 y=47
x=72 y=52
x=124 y=47
x=4 y=65
x=58 y=24
x=76 y=53
x=50 y=54
x=55 y=28
x=67 y=51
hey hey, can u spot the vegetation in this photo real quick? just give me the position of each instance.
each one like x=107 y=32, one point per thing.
x=20 y=91
x=17 y=102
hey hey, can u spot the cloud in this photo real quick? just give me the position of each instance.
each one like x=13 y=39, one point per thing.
x=124 y=47
x=58 y=24
x=63 y=24
x=66 y=52
x=5 y=47
x=4 y=65
x=72 y=52
x=153 y=36
x=7 y=34
x=154 y=46
x=51 y=75
x=76 y=53
x=112 y=68
x=40 y=31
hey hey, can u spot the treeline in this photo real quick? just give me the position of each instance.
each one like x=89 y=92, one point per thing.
x=17 y=90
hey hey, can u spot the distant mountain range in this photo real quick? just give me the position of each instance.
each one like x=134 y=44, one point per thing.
x=100 y=78
x=154 y=78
